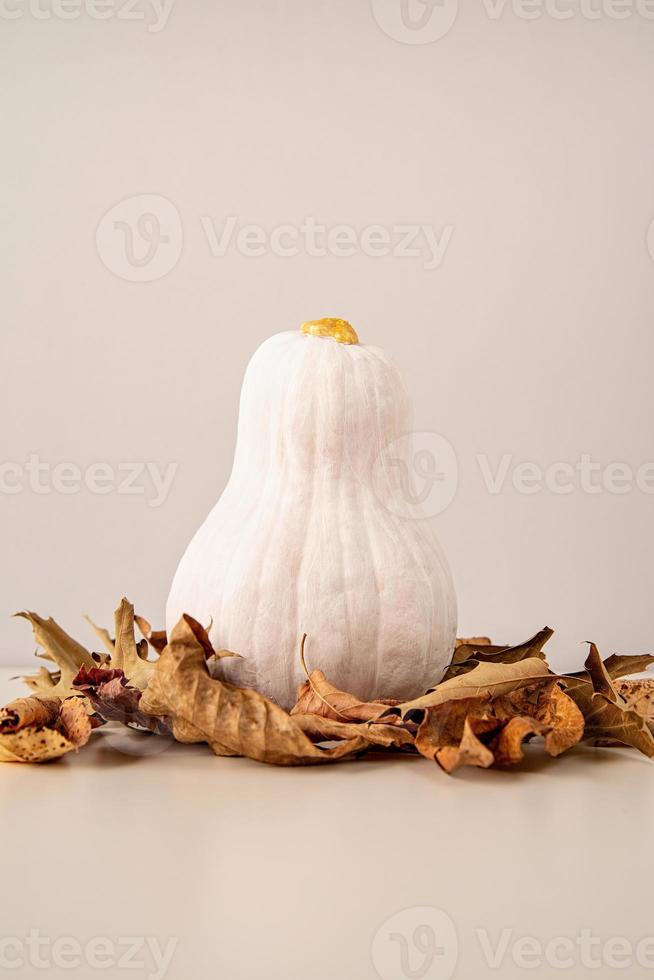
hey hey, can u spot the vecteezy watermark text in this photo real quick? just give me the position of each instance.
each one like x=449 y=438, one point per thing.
x=140 y=239
x=317 y=240
x=417 y=475
x=35 y=475
x=154 y=13
x=41 y=952
x=422 y=943
x=425 y=21
x=562 y=477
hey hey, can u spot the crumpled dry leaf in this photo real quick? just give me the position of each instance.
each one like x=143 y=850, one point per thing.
x=63 y=650
x=468 y=653
x=482 y=730
x=122 y=653
x=233 y=721
x=492 y=699
x=639 y=697
x=561 y=721
x=28 y=712
x=113 y=699
x=469 y=752
x=507 y=745
x=608 y=717
x=449 y=734
x=485 y=679
x=318 y=697
x=32 y=730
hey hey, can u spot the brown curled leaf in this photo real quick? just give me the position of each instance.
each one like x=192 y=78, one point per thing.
x=233 y=721
x=318 y=697
x=608 y=717
x=473 y=650
x=507 y=745
x=561 y=721
x=322 y=729
x=29 y=712
x=52 y=739
x=450 y=734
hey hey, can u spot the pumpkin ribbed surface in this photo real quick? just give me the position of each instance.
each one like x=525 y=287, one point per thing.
x=309 y=534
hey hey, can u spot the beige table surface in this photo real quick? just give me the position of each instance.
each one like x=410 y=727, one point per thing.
x=135 y=849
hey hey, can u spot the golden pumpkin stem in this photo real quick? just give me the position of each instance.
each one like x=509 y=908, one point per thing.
x=331 y=326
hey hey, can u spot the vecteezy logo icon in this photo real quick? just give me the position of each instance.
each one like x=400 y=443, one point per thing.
x=416 y=475
x=415 y=21
x=140 y=239
x=416 y=944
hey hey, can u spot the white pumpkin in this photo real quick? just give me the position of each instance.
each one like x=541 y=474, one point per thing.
x=310 y=533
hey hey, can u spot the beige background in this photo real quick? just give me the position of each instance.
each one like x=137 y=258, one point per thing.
x=531 y=139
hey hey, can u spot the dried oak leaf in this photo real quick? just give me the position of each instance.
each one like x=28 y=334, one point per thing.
x=608 y=716
x=61 y=649
x=232 y=720
x=469 y=653
x=156 y=638
x=69 y=655
x=483 y=680
x=618 y=666
x=32 y=730
x=318 y=697
x=104 y=636
x=129 y=656
x=113 y=699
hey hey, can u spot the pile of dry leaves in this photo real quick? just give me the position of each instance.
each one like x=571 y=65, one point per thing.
x=491 y=700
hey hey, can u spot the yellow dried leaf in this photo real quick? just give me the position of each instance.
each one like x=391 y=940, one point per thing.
x=62 y=649
x=104 y=635
x=126 y=653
